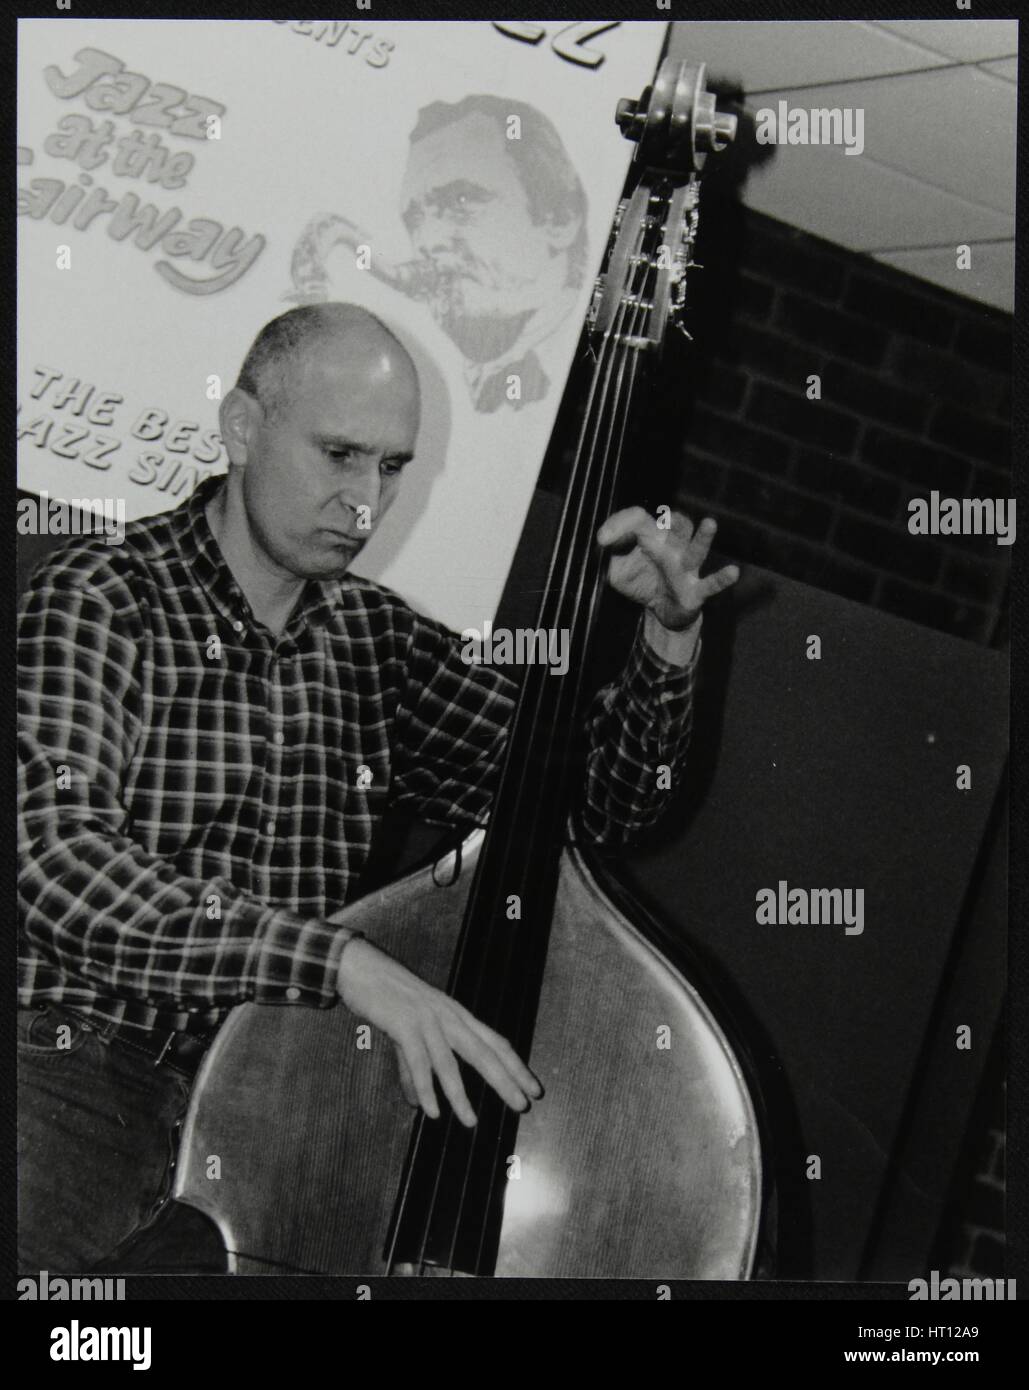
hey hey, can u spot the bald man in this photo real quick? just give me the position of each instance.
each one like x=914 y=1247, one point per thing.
x=194 y=708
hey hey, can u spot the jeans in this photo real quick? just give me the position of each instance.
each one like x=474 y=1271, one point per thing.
x=98 y=1131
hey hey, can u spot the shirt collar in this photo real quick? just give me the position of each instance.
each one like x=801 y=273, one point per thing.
x=319 y=598
x=531 y=342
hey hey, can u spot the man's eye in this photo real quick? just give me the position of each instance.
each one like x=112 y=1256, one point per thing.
x=340 y=453
x=463 y=202
x=391 y=467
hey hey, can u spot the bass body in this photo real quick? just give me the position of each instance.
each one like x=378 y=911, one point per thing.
x=641 y=1161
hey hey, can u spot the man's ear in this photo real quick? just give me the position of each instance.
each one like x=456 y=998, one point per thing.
x=236 y=422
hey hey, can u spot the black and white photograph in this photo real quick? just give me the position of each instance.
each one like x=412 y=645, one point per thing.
x=515 y=533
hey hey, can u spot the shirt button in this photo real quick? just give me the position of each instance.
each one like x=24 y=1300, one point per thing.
x=292 y=994
x=269 y=827
x=280 y=737
x=237 y=626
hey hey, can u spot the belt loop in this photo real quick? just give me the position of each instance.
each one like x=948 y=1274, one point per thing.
x=167 y=1044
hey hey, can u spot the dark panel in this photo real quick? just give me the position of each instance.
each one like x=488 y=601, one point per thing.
x=934 y=1138
x=837 y=773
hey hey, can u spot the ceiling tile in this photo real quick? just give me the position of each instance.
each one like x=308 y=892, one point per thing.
x=954 y=128
x=939 y=158
x=768 y=54
x=864 y=205
x=991 y=278
x=1005 y=67
x=966 y=39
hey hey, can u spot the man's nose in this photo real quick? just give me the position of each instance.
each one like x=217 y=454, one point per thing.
x=363 y=488
x=432 y=234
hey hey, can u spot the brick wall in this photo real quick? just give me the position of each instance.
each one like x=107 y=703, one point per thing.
x=915 y=396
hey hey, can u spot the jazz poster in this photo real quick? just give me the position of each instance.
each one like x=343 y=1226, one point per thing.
x=181 y=183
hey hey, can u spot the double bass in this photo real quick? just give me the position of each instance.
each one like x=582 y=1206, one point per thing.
x=644 y=1156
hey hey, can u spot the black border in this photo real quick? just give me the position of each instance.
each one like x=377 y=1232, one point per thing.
x=202 y=1288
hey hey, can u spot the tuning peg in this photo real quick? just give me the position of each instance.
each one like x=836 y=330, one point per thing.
x=675 y=122
x=631 y=115
x=595 y=302
x=712 y=129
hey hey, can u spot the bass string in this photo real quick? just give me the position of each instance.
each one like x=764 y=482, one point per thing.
x=581 y=539
x=475 y=898
x=527 y=713
x=490 y=1138
x=604 y=495
x=600 y=496
x=473 y=905
x=451 y=1130
x=579 y=494
x=602 y=374
x=526 y=1004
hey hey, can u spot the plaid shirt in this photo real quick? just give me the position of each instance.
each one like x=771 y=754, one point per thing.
x=196 y=795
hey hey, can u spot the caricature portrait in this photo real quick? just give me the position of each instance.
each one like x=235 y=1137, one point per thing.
x=496 y=217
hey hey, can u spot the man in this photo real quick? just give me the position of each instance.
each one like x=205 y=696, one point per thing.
x=496 y=214
x=194 y=709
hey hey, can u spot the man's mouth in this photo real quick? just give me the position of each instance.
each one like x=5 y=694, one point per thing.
x=452 y=275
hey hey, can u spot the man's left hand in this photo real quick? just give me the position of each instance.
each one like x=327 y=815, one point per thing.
x=659 y=567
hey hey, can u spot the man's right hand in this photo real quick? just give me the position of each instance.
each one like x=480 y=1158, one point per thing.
x=428 y=1028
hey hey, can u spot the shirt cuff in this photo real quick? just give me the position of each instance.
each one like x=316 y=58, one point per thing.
x=650 y=679
x=295 y=959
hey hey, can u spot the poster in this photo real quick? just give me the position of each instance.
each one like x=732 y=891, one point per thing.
x=181 y=183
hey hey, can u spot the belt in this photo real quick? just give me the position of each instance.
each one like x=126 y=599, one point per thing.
x=182 y=1052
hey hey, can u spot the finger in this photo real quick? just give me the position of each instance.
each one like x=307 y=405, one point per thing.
x=682 y=527
x=420 y=1065
x=724 y=578
x=509 y=1058
x=505 y=1054
x=697 y=550
x=351 y=231
x=623 y=526
x=407 y=1080
x=663 y=550
x=445 y=1066
x=480 y=1055
x=503 y=1049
